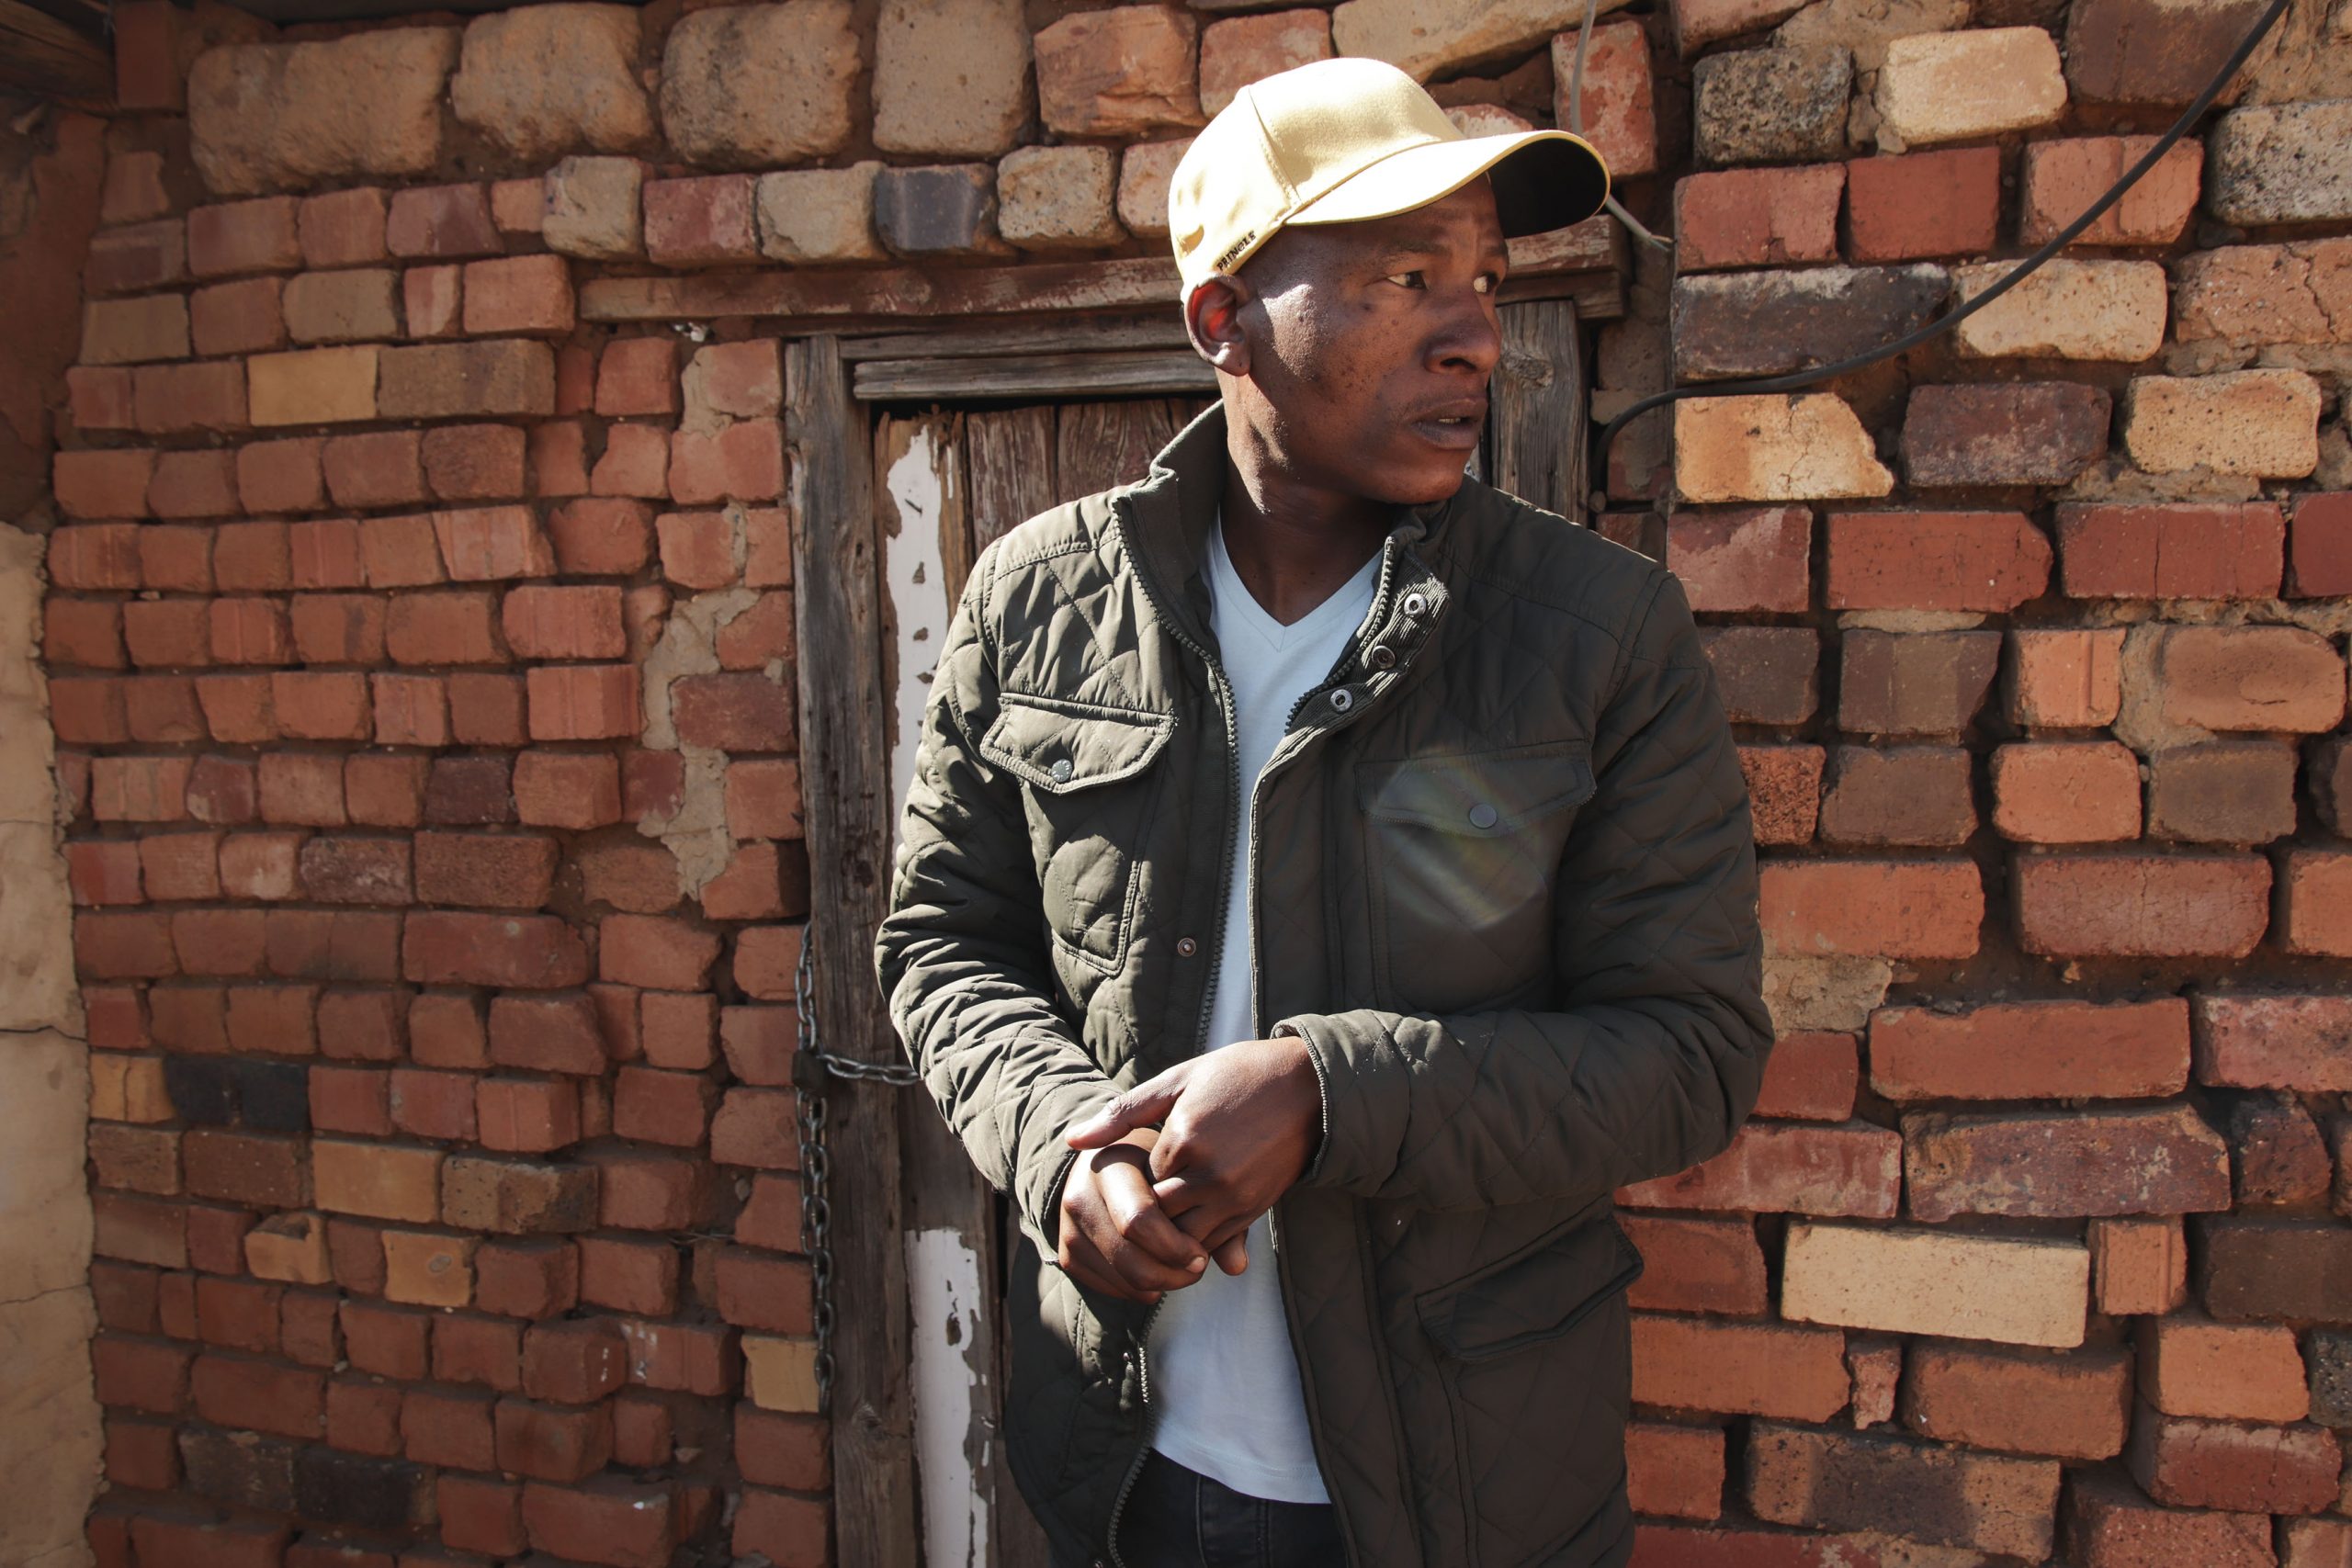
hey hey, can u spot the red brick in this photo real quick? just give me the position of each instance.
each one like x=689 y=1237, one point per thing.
x=638 y=376
x=774 y=1450
x=2214 y=1464
x=2225 y=1372
x=760 y=636
x=2066 y=792
x=1675 y=1472
x=527 y=1278
x=141 y=1454
x=486 y=709
x=506 y=871
x=644 y=1434
x=224 y=790
x=636 y=461
x=382 y=468
x=193 y=484
x=564 y=622
x=350 y=1100
x=2072 y=1405
x=2063 y=178
x=761 y=1292
x=174 y=398
x=593 y=702
x=1757 y=217
x=1810 y=1077
x=141 y=1374
x=1914 y=683
x=102 y=557
x=99 y=397
x=1786 y=1166
x=610 y=1521
x=360 y=1025
x=1899 y=794
x=2141 y=1265
x=449 y=1428
x=601 y=535
x=487 y=1352
x=699 y=550
x=123 y=947
x=175 y=560
x=528 y=1115
x=1935 y=560
x=2062 y=1165
x=2109 y=1524
x=559 y=459
x=2225 y=791
x=431 y=301
x=533 y=952
x=86 y=632
x=473 y=462
x=676 y=1030
x=701 y=221
x=1895 y=909
x=654 y=953
x=89 y=713
x=243 y=236
x=1990 y=1503
x=258 y=1396
x=767 y=961
x=1751 y=558
x=639 y=1278
x=187 y=1544
x=2315 y=1543
x=2171 y=552
x=2010 y=433
x=167 y=632
x=452 y=627
x=238 y=1314
x=641 y=1190
x=2287 y=1041
x=552 y=1444
x=314 y=705
x=520 y=295
x=334 y=945
x=763 y=799
x=2141 y=905
x=490 y=542
x=1924 y=204
x=137 y=257
x=2316 y=903
x=567 y=789
x=104 y=872
x=656 y=1107
x=409 y=710
x=344 y=228
x=401 y=552
x=138 y=1230
x=555 y=1034
x=218 y=942
x=281 y=476
x=2256 y=678
x=303 y=789
x=744 y=461
x=332 y=554
x=2032 y=1050
x=2322 y=546
x=1741 y=1369
x=756 y=1127
x=480 y=1514
x=441 y=221
x=364 y=1418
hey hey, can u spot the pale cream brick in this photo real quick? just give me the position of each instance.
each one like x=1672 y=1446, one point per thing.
x=2069 y=309
x=781 y=1374
x=1951 y=86
x=950 y=77
x=593 y=209
x=1048 y=197
x=2260 y=422
x=1906 y=1280
x=1143 y=173
x=1801 y=446
x=820 y=215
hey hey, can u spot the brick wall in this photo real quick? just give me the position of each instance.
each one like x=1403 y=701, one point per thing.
x=421 y=660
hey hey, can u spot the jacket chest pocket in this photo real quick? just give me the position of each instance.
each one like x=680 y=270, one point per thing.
x=1463 y=852
x=1090 y=789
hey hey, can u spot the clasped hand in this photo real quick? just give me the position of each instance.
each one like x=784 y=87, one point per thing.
x=1177 y=1168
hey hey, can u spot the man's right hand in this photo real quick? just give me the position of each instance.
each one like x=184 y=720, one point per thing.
x=1116 y=1238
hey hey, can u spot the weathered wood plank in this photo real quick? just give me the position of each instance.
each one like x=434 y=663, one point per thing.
x=1597 y=244
x=1120 y=374
x=1009 y=462
x=844 y=769
x=51 y=58
x=1100 y=445
x=897 y=291
x=1538 y=416
x=1598 y=296
x=1094 y=334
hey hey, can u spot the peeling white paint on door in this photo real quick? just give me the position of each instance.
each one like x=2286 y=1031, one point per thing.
x=916 y=585
x=943 y=1285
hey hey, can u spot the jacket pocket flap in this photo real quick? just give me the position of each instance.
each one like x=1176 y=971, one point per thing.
x=1540 y=1294
x=1481 y=794
x=1060 y=746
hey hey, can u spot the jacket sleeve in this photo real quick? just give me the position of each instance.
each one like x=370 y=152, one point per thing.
x=1656 y=1050
x=961 y=953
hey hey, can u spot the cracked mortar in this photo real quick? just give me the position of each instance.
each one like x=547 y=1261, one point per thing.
x=695 y=834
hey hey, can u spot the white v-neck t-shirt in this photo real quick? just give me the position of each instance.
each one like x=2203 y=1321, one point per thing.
x=1221 y=1370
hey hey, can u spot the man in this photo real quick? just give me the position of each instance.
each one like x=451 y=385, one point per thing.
x=1325 y=880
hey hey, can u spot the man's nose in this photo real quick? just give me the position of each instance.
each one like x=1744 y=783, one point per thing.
x=1470 y=340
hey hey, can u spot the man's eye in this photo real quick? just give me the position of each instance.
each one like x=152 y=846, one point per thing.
x=1408 y=279
x=1487 y=282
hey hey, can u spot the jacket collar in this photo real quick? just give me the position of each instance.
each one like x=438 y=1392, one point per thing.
x=1168 y=515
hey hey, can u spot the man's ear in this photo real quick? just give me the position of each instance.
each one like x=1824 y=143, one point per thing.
x=1212 y=321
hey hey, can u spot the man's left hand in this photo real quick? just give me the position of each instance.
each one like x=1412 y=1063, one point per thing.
x=1237 y=1126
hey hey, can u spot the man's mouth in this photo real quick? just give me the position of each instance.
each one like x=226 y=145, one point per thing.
x=1453 y=426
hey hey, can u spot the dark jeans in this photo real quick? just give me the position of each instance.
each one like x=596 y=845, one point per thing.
x=1178 y=1518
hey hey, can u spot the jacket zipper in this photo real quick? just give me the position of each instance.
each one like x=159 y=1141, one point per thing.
x=1223 y=691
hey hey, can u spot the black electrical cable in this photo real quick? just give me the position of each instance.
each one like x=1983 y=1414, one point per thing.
x=2009 y=280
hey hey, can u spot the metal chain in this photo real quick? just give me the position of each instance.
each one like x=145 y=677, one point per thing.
x=811 y=1064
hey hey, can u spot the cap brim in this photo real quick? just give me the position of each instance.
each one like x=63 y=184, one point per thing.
x=1543 y=180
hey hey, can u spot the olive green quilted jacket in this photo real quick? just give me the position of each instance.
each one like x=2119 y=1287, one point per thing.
x=1506 y=891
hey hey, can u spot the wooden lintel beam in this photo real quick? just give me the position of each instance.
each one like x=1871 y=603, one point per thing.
x=43 y=55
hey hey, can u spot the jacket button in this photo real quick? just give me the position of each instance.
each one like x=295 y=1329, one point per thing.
x=1382 y=657
x=1342 y=700
x=1414 y=603
x=1060 y=769
x=1483 y=815
x=1186 y=947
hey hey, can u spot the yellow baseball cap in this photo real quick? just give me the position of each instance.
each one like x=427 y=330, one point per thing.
x=1342 y=140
